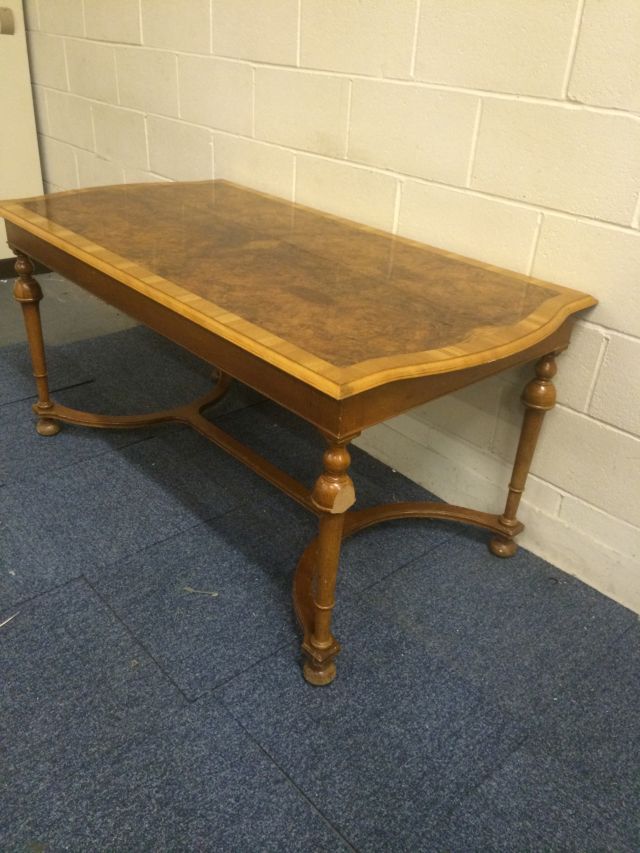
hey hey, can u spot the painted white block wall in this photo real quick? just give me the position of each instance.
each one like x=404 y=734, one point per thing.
x=20 y=168
x=507 y=130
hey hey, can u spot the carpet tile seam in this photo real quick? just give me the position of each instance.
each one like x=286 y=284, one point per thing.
x=18 y=400
x=509 y=719
x=490 y=774
x=531 y=737
x=123 y=558
x=513 y=759
x=129 y=554
x=504 y=708
x=24 y=601
x=590 y=797
x=410 y=562
x=131 y=631
x=494 y=774
x=501 y=703
x=224 y=415
x=594 y=662
x=498 y=701
x=580 y=671
x=53 y=390
x=291 y=782
x=209 y=693
x=589 y=607
x=65 y=466
x=136 y=639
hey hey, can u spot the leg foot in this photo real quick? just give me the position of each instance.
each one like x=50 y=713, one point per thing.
x=502 y=547
x=45 y=426
x=319 y=674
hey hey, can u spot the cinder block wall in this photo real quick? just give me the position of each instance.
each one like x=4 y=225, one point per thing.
x=508 y=130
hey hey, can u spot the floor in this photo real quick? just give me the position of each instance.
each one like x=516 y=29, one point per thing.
x=151 y=692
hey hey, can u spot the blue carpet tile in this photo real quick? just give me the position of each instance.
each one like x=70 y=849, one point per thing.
x=389 y=748
x=75 y=685
x=370 y=555
x=156 y=375
x=146 y=369
x=96 y=511
x=163 y=595
x=400 y=747
x=595 y=730
x=141 y=371
x=298 y=449
x=16 y=378
x=537 y=804
x=247 y=557
x=519 y=627
x=480 y=704
x=24 y=454
x=101 y=753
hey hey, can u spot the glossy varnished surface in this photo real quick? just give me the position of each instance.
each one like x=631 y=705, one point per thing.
x=342 y=293
x=339 y=305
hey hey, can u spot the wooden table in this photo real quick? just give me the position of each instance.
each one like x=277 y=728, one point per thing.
x=344 y=325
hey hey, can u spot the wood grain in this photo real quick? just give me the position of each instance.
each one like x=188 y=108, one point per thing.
x=28 y=294
x=341 y=306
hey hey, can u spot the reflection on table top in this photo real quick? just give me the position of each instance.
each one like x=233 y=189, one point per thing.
x=350 y=305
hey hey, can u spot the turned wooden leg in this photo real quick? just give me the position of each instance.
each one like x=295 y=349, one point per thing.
x=539 y=396
x=332 y=495
x=28 y=293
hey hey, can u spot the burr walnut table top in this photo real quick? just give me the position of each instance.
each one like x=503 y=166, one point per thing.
x=341 y=307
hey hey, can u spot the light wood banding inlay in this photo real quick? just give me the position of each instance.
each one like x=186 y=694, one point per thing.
x=340 y=306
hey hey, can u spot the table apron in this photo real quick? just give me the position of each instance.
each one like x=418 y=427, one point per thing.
x=307 y=402
x=339 y=420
